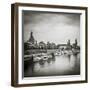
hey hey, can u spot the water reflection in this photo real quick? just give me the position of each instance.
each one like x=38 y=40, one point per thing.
x=58 y=65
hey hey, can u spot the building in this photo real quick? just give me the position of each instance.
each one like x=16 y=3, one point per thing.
x=75 y=45
x=61 y=46
x=31 y=39
x=32 y=43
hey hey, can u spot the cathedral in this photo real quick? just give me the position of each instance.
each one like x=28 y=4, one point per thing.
x=31 y=39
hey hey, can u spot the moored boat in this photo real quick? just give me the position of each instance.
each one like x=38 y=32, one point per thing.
x=37 y=58
x=45 y=57
x=57 y=54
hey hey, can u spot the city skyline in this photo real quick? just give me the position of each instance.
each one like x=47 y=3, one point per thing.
x=29 y=40
x=56 y=27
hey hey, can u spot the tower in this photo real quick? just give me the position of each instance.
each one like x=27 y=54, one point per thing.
x=76 y=42
x=31 y=39
x=68 y=42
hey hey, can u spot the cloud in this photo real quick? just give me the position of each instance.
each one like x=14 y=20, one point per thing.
x=54 y=27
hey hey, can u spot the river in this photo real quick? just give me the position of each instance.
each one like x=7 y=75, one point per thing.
x=60 y=65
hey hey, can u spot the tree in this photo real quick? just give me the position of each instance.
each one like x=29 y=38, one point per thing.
x=53 y=45
x=48 y=45
x=42 y=45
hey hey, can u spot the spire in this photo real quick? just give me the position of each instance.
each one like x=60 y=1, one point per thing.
x=31 y=39
x=76 y=42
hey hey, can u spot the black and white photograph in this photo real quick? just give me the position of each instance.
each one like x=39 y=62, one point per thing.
x=51 y=43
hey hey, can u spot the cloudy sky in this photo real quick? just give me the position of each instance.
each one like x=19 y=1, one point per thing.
x=53 y=27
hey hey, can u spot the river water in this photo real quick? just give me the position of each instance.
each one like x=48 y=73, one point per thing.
x=60 y=65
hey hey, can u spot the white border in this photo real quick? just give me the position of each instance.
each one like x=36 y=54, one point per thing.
x=33 y=80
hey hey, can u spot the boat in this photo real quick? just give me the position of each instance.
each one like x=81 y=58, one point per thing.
x=75 y=52
x=36 y=58
x=45 y=57
x=68 y=52
x=49 y=56
x=57 y=54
